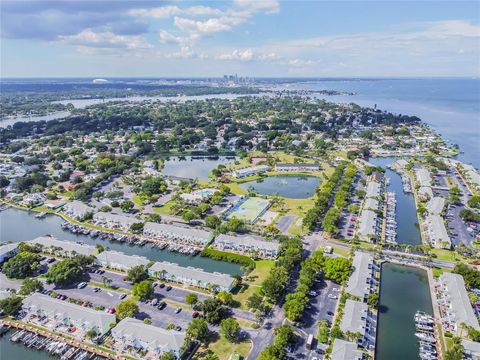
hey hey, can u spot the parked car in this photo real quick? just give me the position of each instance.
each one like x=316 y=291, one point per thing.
x=195 y=314
x=177 y=310
x=122 y=296
x=161 y=286
x=168 y=288
x=162 y=305
x=154 y=302
x=81 y=285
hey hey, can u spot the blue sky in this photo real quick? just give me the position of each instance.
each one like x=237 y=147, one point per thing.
x=252 y=38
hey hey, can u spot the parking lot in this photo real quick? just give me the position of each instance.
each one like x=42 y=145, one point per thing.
x=321 y=307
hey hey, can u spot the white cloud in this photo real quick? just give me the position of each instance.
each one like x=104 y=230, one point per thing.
x=300 y=62
x=239 y=55
x=184 y=53
x=253 y=6
x=165 y=12
x=109 y=40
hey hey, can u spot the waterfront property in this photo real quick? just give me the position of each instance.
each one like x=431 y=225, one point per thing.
x=471 y=350
x=61 y=316
x=373 y=189
x=191 y=276
x=114 y=221
x=78 y=210
x=368 y=227
x=120 y=261
x=247 y=245
x=62 y=248
x=371 y=204
x=362 y=281
x=300 y=167
x=436 y=205
x=455 y=307
x=7 y=251
x=423 y=177
x=345 y=350
x=248 y=209
x=198 y=195
x=178 y=234
x=437 y=232
x=132 y=335
x=250 y=171
x=357 y=320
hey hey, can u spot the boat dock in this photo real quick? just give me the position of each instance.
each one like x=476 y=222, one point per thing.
x=426 y=332
x=390 y=221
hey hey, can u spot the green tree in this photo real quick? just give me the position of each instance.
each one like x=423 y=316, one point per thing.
x=22 y=265
x=11 y=305
x=191 y=299
x=214 y=310
x=143 y=289
x=226 y=297
x=198 y=330
x=212 y=221
x=255 y=302
x=137 y=228
x=230 y=329
x=167 y=356
x=337 y=269
x=127 y=308
x=127 y=205
x=137 y=273
x=29 y=286
x=373 y=300
x=65 y=272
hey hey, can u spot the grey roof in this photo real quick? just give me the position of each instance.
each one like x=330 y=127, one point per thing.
x=435 y=205
x=367 y=222
x=195 y=274
x=373 y=189
x=248 y=241
x=4 y=294
x=437 y=230
x=123 y=219
x=353 y=313
x=119 y=258
x=77 y=207
x=200 y=235
x=371 y=204
x=471 y=348
x=156 y=337
x=460 y=304
x=423 y=177
x=70 y=246
x=313 y=166
x=78 y=314
x=7 y=248
x=357 y=283
x=345 y=350
x=252 y=169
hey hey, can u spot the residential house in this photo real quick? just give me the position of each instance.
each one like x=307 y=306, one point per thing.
x=120 y=261
x=362 y=281
x=178 y=234
x=78 y=210
x=247 y=245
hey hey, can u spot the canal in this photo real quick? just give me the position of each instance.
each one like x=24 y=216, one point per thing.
x=406 y=212
x=403 y=291
x=19 y=225
x=10 y=350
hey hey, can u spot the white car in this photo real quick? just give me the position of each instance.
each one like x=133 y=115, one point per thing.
x=332 y=296
x=81 y=285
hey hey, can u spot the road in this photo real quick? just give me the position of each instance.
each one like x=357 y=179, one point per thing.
x=284 y=223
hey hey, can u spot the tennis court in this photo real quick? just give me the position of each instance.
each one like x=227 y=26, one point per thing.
x=250 y=209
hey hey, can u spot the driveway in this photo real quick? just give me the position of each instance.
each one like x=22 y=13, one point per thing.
x=284 y=223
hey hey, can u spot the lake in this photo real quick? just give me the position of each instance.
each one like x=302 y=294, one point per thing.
x=10 y=350
x=18 y=225
x=404 y=290
x=406 y=212
x=296 y=187
x=193 y=166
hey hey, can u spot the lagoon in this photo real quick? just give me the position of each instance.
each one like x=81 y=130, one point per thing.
x=19 y=225
x=193 y=167
x=404 y=290
x=296 y=187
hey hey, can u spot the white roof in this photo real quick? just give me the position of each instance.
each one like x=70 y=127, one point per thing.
x=116 y=257
x=371 y=204
x=352 y=317
x=373 y=189
x=423 y=177
x=7 y=248
x=76 y=313
x=435 y=205
x=458 y=298
x=123 y=219
x=251 y=169
x=357 y=283
x=195 y=274
x=471 y=348
x=48 y=241
x=345 y=350
x=437 y=230
x=248 y=241
x=77 y=206
x=155 y=337
x=367 y=222
x=181 y=231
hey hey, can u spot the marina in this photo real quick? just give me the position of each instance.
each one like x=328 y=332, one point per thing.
x=426 y=334
x=390 y=218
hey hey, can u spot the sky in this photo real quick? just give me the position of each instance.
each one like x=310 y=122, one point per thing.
x=258 y=38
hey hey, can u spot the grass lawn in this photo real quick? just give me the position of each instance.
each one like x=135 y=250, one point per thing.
x=138 y=200
x=236 y=189
x=342 y=252
x=437 y=271
x=257 y=276
x=445 y=255
x=224 y=349
x=165 y=209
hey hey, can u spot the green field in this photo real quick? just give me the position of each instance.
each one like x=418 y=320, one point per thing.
x=250 y=209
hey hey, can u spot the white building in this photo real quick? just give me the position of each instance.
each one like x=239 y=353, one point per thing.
x=191 y=276
x=32 y=200
x=435 y=205
x=455 y=303
x=250 y=171
x=356 y=320
x=345 y=350
x=362 y=280
x=178 y=234
x=77 y=210
x=247 y=245
x=370 y=204
x=63 y=247
x=114 y=221
x=373 y=189
x=120 y=261
x=367 y=225
x=423 y=177
x=7 y=251
x=66 y=313
x=140 y=336
x=301 y=167
x=437 y=232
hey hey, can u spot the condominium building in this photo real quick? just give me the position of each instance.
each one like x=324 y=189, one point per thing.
x=247 y=245
x=78 y=210
x=345 y=350
x=178 y=234
x=191 y=276
x=437 y=232
x=362 y=281
x=114 y=221
x=423 y=177
x=63 y=247
x=301 y=167
x=7 y=251
x=250 y=171
x=120 y=261
x=65 y=313
x=367 y=225
x=135 y=334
